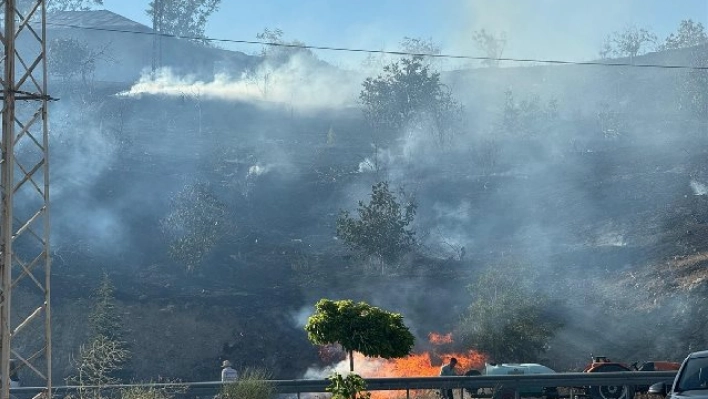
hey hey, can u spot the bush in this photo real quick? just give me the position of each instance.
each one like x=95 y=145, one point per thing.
x=252 y=384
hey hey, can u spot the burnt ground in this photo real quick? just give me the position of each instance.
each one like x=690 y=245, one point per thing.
x=614 y=227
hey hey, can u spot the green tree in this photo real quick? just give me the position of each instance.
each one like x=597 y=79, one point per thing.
x=350 y=387
x=196 y=223
x=382 y=229
x=409 y=95
x=508 y=319
x=359 y=327
x=688 y=34
x=182 y=18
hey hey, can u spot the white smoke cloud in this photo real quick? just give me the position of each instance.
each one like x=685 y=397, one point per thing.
x=298 y=83
x=257 y=170
x=699 y=188
x=300 y=317
x=364 y=366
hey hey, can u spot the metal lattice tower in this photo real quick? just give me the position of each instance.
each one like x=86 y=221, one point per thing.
x=25 y=317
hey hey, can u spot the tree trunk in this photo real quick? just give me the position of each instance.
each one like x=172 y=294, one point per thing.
x=351 y=361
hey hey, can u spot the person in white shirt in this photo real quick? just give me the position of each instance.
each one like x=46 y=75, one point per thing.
x=228 y=374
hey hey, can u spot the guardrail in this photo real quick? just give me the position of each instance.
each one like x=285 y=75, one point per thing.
x=516 y=382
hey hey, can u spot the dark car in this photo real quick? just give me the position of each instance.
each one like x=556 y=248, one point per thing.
x=691 y=381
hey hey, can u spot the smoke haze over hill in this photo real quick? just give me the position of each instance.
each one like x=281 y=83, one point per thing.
x=590 y=177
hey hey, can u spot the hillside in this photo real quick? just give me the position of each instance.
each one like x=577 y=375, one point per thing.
x=614 y=225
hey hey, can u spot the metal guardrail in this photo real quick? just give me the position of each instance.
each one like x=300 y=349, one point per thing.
x=209 y=389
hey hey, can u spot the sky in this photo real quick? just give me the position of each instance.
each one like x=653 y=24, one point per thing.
x=555 y=29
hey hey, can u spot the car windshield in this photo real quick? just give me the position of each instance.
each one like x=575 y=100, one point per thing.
x=694 y=375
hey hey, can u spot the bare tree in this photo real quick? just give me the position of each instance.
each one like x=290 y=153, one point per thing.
x=183 y=18
x=419 y=46
x=491 y=45
x=70 y=57
x=630 y=42
x=72 y=5
x=688 y=34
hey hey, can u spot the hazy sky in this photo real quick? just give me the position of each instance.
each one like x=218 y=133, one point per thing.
x=560 y=29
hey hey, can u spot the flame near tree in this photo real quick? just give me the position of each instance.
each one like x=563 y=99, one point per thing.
x=359 y=327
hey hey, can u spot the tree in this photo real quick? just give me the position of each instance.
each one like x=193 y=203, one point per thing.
x=688 y=34
x=103 y=357
x=508 y=320
x=182 y=18
x=196 y=223
x=491 y=45
x=528 y=117
x=629 y=43
x=350 y=387
x=417 y=45
x=409 y=95
x=72 y=5
x=104 y=319
x=275 y=52
x=277 y=49
x=253 y=383
x=693 y=84
x=359 y=327
x=382 y=227
x=70 y=57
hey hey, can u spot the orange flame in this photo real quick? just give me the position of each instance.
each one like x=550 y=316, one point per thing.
x=423 y=364
x=440 y=339
x=414 y=365
x=417 y=364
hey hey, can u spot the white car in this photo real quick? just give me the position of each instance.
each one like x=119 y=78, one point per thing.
x=518 y=369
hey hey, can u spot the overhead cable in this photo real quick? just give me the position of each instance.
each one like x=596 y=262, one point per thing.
x=389 y=52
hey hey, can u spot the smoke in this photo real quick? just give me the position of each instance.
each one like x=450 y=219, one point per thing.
x=257 y=170
x=364 y=366
x=698 y=188
x=299 y=83
x=532 y=26
x=300 y=317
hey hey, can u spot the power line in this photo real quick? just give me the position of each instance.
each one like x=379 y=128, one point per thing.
x=388 y=52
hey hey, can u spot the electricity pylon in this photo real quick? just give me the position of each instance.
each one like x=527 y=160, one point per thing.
x=25 y=316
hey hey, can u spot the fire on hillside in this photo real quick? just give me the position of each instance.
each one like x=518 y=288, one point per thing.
x=418 y=364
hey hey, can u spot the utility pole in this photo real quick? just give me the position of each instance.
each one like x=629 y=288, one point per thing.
x=25 y=262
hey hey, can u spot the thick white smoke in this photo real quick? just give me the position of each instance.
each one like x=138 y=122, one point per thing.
x=298 y=83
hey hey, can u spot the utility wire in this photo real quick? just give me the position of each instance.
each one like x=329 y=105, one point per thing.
x=387 y=52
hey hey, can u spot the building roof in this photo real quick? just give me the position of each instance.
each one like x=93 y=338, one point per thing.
x=102 y=19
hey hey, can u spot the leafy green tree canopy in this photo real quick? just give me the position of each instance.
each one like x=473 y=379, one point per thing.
x=382 y=227
x=408 y=94
x=359 y=327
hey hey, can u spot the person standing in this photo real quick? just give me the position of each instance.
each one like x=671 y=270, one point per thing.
x=228 y=374
x=448 y=370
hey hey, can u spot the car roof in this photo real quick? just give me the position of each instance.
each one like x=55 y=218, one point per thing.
x=694 y=355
